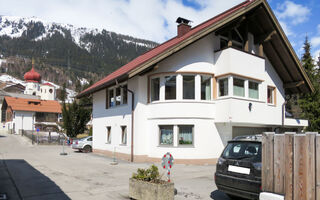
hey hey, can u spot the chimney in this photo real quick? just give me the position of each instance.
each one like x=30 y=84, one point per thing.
x=183 y=26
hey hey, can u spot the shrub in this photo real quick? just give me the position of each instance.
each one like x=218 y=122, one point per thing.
x=150 y=175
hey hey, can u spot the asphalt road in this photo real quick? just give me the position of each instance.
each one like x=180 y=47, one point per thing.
x=39 y=172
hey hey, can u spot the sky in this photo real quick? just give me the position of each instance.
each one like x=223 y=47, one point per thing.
x=155 y=19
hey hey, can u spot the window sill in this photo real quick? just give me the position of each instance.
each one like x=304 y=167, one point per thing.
x=164 y=145
x=183 y=101
x=179 y=146
x=123 y=145
x=108 y=143
x=119 y=106
x=270 y=104
x=239 y=98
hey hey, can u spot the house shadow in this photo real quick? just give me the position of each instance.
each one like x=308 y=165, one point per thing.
x=19 y=180
x=218 y=195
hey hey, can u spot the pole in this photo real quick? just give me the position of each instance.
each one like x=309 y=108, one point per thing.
x=63 y=153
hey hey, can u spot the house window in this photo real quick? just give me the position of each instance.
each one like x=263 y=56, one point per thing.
x=125 y=94
x=108 y=134
x=155 y=89
x=223 y=87
x=185 y=134
x=111 y=98
x=271 y=95
x=124 y=135
x=253 y=90
x=188 y=87
x=166 y=135
x=205 y=87
x=50 y=90
x=118 y=96
x=170 y=87
x=238 y=87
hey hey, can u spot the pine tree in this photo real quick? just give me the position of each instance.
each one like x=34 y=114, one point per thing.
x=75 y=119
x=63 y=94
x=310 y=102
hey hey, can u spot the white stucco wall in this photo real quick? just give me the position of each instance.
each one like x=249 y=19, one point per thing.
x=22 y=120
x=213 y=120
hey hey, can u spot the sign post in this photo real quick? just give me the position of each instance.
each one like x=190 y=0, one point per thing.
x=167 y=163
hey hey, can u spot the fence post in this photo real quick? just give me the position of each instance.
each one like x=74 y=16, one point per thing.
x=311 y=166
x=299 y=166
x=279 y=164
x=267 y=162
x=289 y=166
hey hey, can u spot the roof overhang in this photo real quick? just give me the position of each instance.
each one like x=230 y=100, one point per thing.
x=282 y=56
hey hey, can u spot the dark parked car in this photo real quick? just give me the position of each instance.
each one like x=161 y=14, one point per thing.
x=238 y=171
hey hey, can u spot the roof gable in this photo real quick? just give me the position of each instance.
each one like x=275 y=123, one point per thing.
x=168 y=48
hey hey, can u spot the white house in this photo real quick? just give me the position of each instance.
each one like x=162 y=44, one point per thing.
x=28 y=114
x=226 y=77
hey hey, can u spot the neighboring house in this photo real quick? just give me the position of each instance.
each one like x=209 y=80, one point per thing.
x=18 y=95
x=226 y=77
x=13 y=88
x=23 y=114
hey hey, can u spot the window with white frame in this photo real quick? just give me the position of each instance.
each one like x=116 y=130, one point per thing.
x=206 y=87
x=253 y=90
x=238 y=87
x=124 y=135
x=223 y=87
x=155 y=89
x=188 y=87
x=108 y=135
x=271 y=95
x=241 y=87
x=166 y=134
x=185 y=134
x=117 y=96
x=170 y=87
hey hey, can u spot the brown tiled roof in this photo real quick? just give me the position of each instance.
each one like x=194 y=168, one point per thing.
x=34 y=105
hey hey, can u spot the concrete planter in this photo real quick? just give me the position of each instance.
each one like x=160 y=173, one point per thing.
x=142 y=190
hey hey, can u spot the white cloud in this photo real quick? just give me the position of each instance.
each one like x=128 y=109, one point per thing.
x=151 y=19
x=286 y=28
x=315 y=41
x=296 y=13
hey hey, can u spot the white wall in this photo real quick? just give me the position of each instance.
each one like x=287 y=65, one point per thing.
x=23 y=120
x=45 y=92
x=213 y=120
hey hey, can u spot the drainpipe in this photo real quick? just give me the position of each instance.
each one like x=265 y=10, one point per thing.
x=132 y=118
x=283 y=112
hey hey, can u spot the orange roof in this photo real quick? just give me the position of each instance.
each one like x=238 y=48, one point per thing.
x=34 y=105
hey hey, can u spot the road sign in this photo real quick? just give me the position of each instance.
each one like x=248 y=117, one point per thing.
x=167 y=163
x=38 y=129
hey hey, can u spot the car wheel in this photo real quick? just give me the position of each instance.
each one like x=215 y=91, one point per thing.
x=87 y=149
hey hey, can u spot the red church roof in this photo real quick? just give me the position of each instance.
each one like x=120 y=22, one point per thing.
x=32 y=76
x=170 y=44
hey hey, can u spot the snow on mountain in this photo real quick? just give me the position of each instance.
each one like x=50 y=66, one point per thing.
x=15 y=27
x=9 y=79
x=83 y=81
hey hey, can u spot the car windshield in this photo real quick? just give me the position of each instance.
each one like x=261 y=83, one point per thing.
x=243 y=150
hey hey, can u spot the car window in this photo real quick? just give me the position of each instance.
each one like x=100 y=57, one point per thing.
x=89 y=139
x=243 y=150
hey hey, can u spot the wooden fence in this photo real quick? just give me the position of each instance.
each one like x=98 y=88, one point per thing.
x=291 y=165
